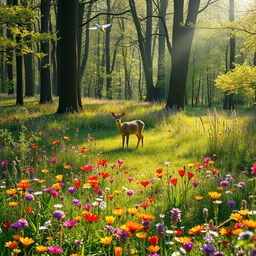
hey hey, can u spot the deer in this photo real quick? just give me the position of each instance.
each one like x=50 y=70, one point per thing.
x=133 y=127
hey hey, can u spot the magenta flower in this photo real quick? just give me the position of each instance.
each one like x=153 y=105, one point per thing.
x=55 y=249
x=112 y=180
x=91 y=139
x=54 y=160
x=112 y=166
x=253 y=169
x=130 y=179
x=87 y=207
x=48 y=190
x=206 y=160
x=55 y=193
x=69 y=223
x=58 y=214
x=120 y=161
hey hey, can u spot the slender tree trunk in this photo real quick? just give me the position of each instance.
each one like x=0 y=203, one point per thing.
x=182 y=40
x=160 y=84
x=107 y=52
x=198 y=91
x=139 y=81
x=45 y=74
x=146 y=67
x=68 y=59
x=229 y=98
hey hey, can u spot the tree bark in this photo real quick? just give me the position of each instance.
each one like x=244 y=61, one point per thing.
x=68 y=59
x=182 y=40
x=145 y=64
x=45 y=72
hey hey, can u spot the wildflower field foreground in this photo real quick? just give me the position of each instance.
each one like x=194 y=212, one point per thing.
x=68 y=188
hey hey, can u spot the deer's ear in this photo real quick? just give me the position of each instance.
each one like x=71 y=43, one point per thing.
x=122 y=114
x=113 y=114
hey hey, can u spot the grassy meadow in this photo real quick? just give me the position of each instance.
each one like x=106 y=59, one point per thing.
x=69 y=188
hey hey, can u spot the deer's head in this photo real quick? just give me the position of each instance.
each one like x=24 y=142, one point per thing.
x=118 y=116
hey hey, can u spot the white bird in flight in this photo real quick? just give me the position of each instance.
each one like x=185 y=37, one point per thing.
x=100 y=27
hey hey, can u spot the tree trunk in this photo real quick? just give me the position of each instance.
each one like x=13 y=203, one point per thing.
x=229 y=98
x=182 y=40
x=107 y=52
x=139 y=81
x=68 y=59
x=160 y=84
x=146 y=67
x=45 y=72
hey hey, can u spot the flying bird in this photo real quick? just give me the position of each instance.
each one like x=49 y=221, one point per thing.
x=100 y=28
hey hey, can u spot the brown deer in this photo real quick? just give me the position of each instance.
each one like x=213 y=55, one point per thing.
x=133 y=127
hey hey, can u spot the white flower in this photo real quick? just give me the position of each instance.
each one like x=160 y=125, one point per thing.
x=58 y=205
x=99 y=199
x=169 y=243
x=124 y=188
x=169 y=232
x=228 y=192
x=38 y=193
x=103 y=205
x=2 y=186
x=95 y=203
x=176 y=254
x=167 y=163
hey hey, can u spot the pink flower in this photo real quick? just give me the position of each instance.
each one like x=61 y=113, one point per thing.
x=120 y=162
x=55 y=249
x=69 y=223
x=130 y=179
x=112 y=166
x=91 y=139
x=54 y=160
x=253 y=169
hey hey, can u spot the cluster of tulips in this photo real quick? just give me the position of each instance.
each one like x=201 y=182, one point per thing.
x=102 y=209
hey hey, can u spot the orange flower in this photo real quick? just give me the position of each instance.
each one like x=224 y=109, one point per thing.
x=213 y=170
x=11 y=191
x=214 y=195
x=141 y=235
x=236 y=216
x=26 y=240
x=59 y=178
x=132 y=211
x=118 y=251
x=102 y=161
x=151 y=198
x=28 y=209
x=13 y=204
x=244 y=212
x=67 y=166
x=145 y=216
x=249 y=223
x=106 y=240
x=56 y=186
x=153 y=240
x=56 y=142
x=184 y=239
x=11 y=244
x=16 y=251
x=199 y=198
x=110 y=219
x=196 y=229
x=133 y=226
x=225 y=232
x=153 y=249
x=237 y=231
x=41 y=248
x=23 y=185
x=16 y=237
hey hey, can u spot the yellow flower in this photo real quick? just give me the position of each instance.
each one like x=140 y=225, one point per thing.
x=56 y=186
x=132 y=211
x=244 y=212
x=249 y=223
x=133 y=251
x=74 y=254
x=214 y=195
x=237 y=231
x=44 y=171
x=133 y=226
x=13 y=204
x=153 y=248
x=141 y=235
x=11 y=191
x=41 y=248
x=118 y=212
x=59 y=177
x=236 y=216
x=184 y=239
x=87 y=185
x=66 y=166
x=11 y=244
x=41 y=181
x=118 y=251
x=110 y=219
x=66 y=138
x=118 y=192
x=211 y=162
x=16 y=250
x=26 y=240
x=24 y=181
x=16 y=237
x=199 y=198
x=190 y=165
x=78 y=218
x=106 y=240
x=196 y=229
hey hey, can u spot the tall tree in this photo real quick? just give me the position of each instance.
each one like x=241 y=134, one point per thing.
x=160 y=84
x=45 y=73
x=68 y=58
x=19 y=69
x=145 y=64
x=229 y=97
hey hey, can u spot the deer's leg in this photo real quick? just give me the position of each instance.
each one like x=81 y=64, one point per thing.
x=138 y=136
x=127 y=140
x=141 y=137
x=123 y=138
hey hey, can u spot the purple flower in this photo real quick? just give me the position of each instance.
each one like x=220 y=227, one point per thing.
x=80 y=242
x=241 y=184
x=231 y=203
x=245 y=235
x=229 y=177
x=130 y=193
x=58 y=214
x=160 y=229
x=208 y=249
x=23 y=223
x=29 y=197
x=224 y=183
x=87 y=207
x=175 y=215
x=188 y=246
x=100 y=192
x=130 y=179
x=112 y=180
x=146 y=224
x=76 y=202
x=31 y=190
x=108 y=228
x=48 y=190
x=16 y=225
x=71 y=190
x=195 y=184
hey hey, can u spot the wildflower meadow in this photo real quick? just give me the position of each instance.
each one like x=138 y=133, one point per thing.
x=68 y=188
